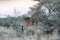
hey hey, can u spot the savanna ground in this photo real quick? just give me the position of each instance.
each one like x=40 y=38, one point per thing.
x=10 y=34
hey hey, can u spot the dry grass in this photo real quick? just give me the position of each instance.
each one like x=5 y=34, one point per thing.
x=9 y=34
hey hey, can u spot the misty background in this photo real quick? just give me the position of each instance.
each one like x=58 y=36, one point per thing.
x=13 y=13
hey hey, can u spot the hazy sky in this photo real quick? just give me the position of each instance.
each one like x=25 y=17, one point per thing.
x=22 y=6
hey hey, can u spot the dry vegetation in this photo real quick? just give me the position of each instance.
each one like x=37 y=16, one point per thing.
x=10 y=34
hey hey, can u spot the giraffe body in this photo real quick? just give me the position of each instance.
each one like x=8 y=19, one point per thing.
x=28 y=21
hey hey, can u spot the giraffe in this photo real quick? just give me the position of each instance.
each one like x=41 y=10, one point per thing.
x=30 y=21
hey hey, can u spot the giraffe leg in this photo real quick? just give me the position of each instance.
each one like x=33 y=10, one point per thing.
x=24 y=33
x=36 y=33
x=35 y=29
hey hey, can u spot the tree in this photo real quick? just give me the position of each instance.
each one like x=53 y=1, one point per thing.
x=53 y=10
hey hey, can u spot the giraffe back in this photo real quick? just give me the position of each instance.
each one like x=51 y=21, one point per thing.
x=30 y=21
